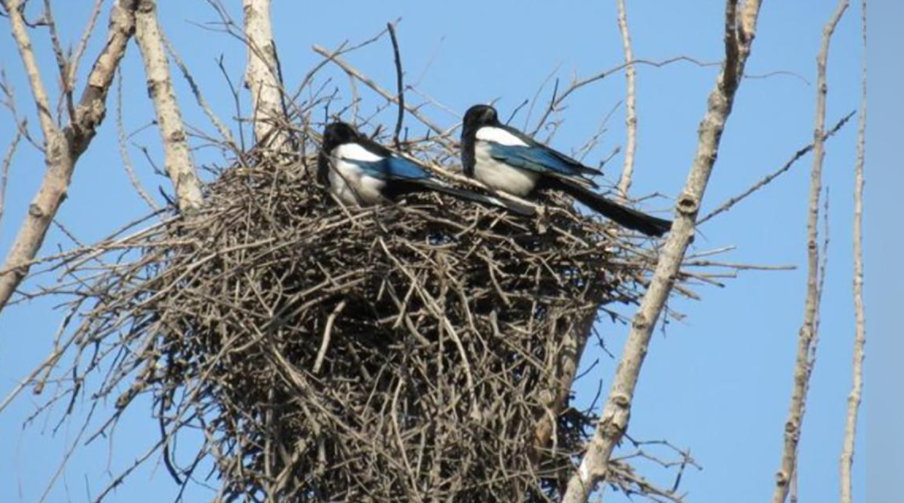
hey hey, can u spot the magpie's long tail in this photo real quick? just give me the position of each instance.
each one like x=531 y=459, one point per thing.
x=513 y=206
x=626 y=217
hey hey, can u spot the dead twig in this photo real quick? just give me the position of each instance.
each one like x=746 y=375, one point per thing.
x=808 y=332
x=766 y=180
x=853 y=402
x=4 y=169
x=624 y=182
x=399 y=85
x=327 y=332
x=376 y=88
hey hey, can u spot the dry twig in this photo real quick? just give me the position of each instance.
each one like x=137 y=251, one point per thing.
x=4 y=169
x=376 y=87
x=122 y=140
x=766 y=180
x=807 y=333
x=624 y=183
x=853 y=406
x=399 y=85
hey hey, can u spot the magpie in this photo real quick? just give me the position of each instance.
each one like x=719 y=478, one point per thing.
x=506 y=159
x=361 y=172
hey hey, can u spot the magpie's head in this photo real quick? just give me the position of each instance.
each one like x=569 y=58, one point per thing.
x=479 y=116
x=337 y=133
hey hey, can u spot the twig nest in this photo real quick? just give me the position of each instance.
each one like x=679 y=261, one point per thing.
x=400 y=353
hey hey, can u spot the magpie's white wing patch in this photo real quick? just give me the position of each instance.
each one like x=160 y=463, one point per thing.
x=355 y=152
x=500 y=176
x=499 y=135
x=353 y=186
x=349 y=182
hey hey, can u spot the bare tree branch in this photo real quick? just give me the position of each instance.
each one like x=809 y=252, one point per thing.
x=199 y=98
x=766 y=180
x=624 y=183
x=853 y=406
x=83 y=43
x=63 y=147
x=740 y=28
x=261 y=74
x=26 y=52
x=122 y=138
x=177 y=158
x=376 y=88
x=62 y=62
x=399 y=84
x=4 y=169
x=558 y=98
x=807 y=333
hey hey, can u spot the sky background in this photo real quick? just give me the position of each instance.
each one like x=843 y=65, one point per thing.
x=718 y=382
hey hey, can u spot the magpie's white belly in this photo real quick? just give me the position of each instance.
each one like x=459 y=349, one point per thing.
x=352 y=186
x=501 y=176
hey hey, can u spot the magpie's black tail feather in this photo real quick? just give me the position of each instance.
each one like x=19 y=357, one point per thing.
x=420 y=185
x=624 y=216
x=514 y=207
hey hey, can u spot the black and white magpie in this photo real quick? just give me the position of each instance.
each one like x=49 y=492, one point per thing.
x=361 y=172
x=506 y=159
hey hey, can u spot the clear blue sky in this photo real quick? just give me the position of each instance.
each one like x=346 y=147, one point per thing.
x=718 y=382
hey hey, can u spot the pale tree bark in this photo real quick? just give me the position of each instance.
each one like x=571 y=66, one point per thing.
x=740 y=28
x=853 y=405
x=803 y=362
x=624 y=183
x=262 y=73
x=177 y=157
x=62 y=147
x=559 y=385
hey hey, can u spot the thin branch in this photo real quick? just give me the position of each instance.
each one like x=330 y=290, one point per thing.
x=376 y=87
x=766 y=180
x=400 y=85
x=557 y=101
x=740 y=29
x=83 y=43
x=9 y=101
x=124 y=150
x=199 y=98
x=62 y=63
x=4 y=170
x=19 y=29
x=624 y=183
x=853 y=405
x=63 y=148
x=177 y=157
x=327 y=333
x=807 y=334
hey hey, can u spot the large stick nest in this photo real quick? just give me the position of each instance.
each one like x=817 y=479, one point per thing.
x=402 y=353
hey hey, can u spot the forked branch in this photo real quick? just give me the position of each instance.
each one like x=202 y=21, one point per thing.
x=624 y=183
x=62 y=148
